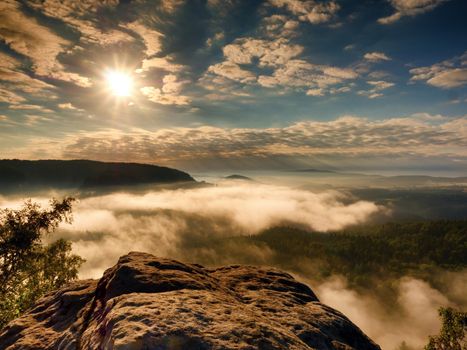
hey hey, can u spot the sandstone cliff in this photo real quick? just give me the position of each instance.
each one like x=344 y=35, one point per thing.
x=144 y=302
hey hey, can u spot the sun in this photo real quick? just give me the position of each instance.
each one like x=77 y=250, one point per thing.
x=119 y=83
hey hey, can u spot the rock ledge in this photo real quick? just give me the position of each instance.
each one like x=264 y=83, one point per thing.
x=145 y=302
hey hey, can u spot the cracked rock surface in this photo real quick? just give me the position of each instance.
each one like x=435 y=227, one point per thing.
x=145 y=302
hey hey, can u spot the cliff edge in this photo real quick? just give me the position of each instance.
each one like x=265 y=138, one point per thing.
x=145 y=302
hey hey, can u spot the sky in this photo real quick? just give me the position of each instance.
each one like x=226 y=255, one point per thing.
x=360 y=85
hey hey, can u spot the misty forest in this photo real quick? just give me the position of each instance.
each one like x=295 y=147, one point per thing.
x=233 y=175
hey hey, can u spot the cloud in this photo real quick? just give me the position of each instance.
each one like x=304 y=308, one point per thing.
x=31 y=107
x=169 y=94
x=449 y=78
x=152 y=38
x=10 y=97
x=215 y=40
x=309 y=10
x=223 y=88
x=270 y=53
x=232 y=71
x=67 y=106
x=412 y=317
x=32 y=119
x=42 y=46
x=168 y=222
x=378 y=86
x=376 y=56
x=24 y=35
x=163 y=63
x=448 y=74
x=342 y=142
x=409 y=8
x=280 y=56
x=315 y=92
x=184 y=223
x=15 y=80
x=82 y=16
x=279 y=26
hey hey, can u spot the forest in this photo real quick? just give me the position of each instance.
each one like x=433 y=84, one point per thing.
x=369 y=256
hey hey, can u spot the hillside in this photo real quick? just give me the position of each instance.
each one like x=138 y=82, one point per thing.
x=25 y=174
x=144 y=302
x=369 y=256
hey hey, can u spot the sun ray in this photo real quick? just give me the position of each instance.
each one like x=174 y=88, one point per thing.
x=119 y=83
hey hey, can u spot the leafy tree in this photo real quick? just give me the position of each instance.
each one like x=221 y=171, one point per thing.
x=453 y=329
x=29 y=268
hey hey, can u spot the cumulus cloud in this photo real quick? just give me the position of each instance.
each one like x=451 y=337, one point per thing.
x=67 y=105
x=152 y=38
x=162 y=63
x=309 y=10
x=448 y=74
x=169 y=94
x=449 y=78
x=81 y=15
x=232 y=71
x=269 y=52
x=279 y=26
x=315 y=92
x=376 y=56
x=248 y=59
x=409 y=8
x=377 y=87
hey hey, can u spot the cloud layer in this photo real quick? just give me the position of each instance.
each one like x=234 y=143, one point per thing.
x=412 y=317
x=180 y=224
x=164 y=222
x=420 y=136
x=254 y=81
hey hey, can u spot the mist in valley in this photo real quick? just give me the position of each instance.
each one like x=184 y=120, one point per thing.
x=196 y=224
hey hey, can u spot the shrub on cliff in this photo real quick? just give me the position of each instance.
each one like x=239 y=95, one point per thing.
x=453 y=331
x=28 y=267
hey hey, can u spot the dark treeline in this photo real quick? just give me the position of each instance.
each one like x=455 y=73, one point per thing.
x=367 y=256
x=23 y=175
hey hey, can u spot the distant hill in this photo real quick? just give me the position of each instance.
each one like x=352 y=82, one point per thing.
x=24 y=174
x=312 y=170
x=238 y=177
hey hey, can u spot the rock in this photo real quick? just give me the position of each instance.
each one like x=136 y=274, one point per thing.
x=144 y=302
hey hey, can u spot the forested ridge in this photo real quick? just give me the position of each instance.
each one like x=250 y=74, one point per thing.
x=364 y=254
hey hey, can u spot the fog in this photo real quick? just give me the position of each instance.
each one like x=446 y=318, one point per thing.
x=180 y=223
x=167 y=222
x=411 y=319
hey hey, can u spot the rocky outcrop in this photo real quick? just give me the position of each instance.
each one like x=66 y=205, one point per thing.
x=144 y=302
